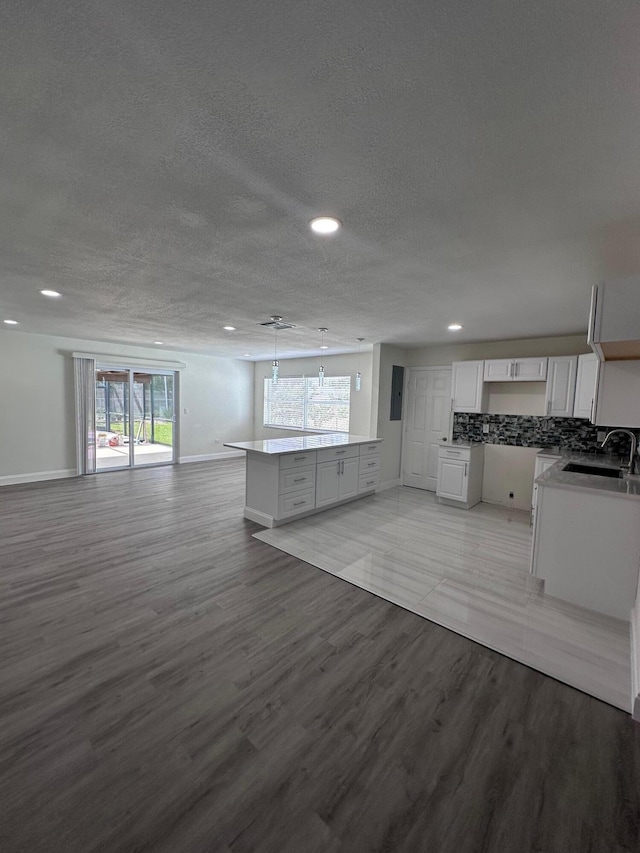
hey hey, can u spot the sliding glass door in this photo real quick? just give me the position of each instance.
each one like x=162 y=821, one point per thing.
x=135 y=417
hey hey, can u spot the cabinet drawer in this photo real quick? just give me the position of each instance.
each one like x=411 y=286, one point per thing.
x=463 y=453
x=367 y=482
x=295 y=479
x=296 y=502
x=369 y=464
x=328 y=454
x=298 y=460
x=368 y=449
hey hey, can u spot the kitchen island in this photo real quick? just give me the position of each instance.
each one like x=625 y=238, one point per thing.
x=586 y=538
x=289 y=478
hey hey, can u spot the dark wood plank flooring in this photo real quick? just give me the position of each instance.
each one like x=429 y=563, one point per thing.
x=169 y=683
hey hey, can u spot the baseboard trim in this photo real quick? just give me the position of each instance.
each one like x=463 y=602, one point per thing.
x=37 y=476
x=209 y=457
x=525 y=507
x=389 y=484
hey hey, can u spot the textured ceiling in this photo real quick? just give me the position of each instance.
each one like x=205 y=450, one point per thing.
x=159 y=163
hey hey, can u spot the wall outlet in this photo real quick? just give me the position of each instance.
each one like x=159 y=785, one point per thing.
x=601 y=435
x=485 y=429
x=185 y=411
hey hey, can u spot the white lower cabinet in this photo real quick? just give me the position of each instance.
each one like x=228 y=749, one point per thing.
x=336 y=480
x=460 y=475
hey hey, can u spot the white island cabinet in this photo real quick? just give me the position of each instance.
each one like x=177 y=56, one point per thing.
x=288 y=478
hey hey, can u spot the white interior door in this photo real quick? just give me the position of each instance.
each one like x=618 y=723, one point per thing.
x=427 y=426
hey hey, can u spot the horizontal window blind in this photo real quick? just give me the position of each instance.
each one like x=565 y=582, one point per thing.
x=298 y=402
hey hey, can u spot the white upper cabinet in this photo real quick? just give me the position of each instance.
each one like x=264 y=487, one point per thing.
x=618 y=394
x=515 y=369
x=614 y=322
x=561 y=386
x=586 y=383
x=530 y=369
x=498 y=370
x=468 y=384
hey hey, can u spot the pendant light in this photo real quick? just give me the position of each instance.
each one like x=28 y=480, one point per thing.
x=322 y=330
x=275 y=364
x=359 y=374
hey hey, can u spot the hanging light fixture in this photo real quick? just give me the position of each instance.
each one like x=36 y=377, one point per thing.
x=275 y=364
x=359 y=374
x=322 y=330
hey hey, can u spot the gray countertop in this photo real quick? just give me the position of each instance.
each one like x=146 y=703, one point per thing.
x=556 y=477
x=280 y=446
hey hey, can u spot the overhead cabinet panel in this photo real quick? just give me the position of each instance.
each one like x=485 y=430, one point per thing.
x=561 y=386
x=467 y=393
x=586 y=384
x=530 y=369
x=515 y=369
x=498 y=370
x=614 y=322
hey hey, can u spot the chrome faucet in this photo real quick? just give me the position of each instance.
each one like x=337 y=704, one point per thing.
x=631 y=464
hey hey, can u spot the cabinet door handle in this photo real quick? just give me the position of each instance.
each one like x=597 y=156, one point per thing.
x=465 y=469
x=342 y=472
x=372 y=464
x=299 y=503
x=338 y=452
x=300 y=480
x=548 y=406
x=298 y=458
x=370 y=482
x=511 y=369
x=591 y=415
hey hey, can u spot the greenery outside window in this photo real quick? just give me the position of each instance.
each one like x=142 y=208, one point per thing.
x=298 y=402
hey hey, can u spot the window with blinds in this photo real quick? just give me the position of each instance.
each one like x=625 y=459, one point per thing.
x=298 y=402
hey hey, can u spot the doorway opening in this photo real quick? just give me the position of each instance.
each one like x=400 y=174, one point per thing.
x=135 y=417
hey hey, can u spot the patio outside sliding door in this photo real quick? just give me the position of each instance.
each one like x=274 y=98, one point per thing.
x=135 y=422
x=153 y=418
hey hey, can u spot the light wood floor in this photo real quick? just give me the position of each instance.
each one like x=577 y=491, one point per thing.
x=169 y=683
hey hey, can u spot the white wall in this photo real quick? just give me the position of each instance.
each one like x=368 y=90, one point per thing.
x=523 y=348
x=385 y=356
x=334 y=365
x=508 y=469
x=37 y=418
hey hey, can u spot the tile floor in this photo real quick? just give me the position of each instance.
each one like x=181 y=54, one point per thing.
x=467 y=570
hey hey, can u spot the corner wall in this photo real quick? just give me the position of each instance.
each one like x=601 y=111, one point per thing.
x=37 y=416
x=384 y=357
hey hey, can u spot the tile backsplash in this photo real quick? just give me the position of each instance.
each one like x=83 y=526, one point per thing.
x=534 y=431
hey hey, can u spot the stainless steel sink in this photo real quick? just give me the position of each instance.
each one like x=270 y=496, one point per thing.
x=598 y=470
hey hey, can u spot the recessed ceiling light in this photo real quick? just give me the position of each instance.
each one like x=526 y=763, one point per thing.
x=247 y=355
x=11 y=322
x=229 y=328
x=324 y=346
x=159 y=343
x=325 y=224
x=52 y=293
x=454 y=327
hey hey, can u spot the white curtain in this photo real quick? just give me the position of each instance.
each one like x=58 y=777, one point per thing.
x=84 y=374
